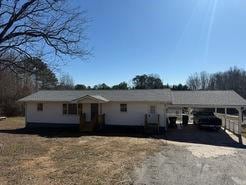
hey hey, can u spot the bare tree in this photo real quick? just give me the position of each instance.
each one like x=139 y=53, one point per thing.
x=29 y=26
x=194 y=82
x=66 y=82
x=204 y=80
x=232 y=79
x=11 y=89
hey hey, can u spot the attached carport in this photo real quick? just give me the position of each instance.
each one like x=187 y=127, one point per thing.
x=215 y=100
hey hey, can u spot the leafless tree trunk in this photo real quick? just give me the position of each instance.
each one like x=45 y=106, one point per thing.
x=204 y=78
x=194 y=82
x=232 y=79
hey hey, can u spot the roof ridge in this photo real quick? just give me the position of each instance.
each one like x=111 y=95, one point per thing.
x=200 y=90
x=104 y=90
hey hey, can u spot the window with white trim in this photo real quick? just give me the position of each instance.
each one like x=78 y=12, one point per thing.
x=72 y=108
x=64 y=108
x=123 y=107
x=39 y=107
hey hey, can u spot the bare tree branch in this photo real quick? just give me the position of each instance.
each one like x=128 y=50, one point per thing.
x=29 y=26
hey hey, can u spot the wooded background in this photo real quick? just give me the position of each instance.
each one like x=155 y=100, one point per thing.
x=14 y=86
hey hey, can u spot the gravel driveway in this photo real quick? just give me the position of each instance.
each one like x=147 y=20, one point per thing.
x=195 y=156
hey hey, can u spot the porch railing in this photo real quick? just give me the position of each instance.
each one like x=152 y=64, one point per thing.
x=96 y=123
x=152 y=122
x=230 y=123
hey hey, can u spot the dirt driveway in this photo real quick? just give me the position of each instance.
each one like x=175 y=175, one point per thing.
x=196 y=157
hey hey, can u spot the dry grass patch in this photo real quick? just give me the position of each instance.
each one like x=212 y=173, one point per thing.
x=101 y=160
x=32 y=159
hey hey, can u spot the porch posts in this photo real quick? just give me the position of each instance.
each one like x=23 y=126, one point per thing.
x=225 y=117
x=82 y=120
x=100 y=108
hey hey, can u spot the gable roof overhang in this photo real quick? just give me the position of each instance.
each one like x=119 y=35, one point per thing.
x=90 y=99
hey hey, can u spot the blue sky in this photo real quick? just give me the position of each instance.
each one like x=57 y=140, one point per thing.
x=172 y=38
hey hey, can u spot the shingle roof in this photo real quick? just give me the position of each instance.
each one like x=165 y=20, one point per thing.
x=153 y=95
x=208 y=98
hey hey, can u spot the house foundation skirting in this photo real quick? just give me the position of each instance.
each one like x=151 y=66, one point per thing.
x=126 y=128
x=110 y=128
x=51 y=125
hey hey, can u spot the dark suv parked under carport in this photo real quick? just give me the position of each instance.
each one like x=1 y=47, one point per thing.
x=207 y=120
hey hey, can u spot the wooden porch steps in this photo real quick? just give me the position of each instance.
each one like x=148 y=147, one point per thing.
x=89 y=126
x=152 y=127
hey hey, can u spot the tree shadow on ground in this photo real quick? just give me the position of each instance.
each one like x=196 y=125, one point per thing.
x=192 y=134
x=123 y=131
x=188 y=134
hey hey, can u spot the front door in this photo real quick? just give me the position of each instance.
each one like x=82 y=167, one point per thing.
x=94 y=110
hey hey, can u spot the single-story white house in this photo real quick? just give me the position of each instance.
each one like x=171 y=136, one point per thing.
x=119 y=107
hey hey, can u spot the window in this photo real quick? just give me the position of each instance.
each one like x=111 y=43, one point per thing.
x=72 y=108
x=64 y=108
x=152 y=109
x=80 y=109
x=40 y=107
x=123 y=107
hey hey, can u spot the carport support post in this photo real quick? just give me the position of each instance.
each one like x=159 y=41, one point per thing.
x=25 y=104
x=225 y=118
x=240 y=121
x=215 y=110
x=240 y=111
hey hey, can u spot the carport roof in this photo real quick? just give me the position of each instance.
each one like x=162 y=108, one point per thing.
x=207 y=98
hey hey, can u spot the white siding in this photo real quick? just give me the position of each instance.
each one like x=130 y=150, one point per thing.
x=172 y=111
x=134 y=115
x=52 y=113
